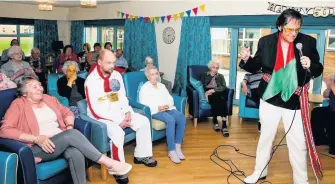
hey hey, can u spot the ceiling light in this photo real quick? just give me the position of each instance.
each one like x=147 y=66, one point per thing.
x=45 y=7
x=88 y=3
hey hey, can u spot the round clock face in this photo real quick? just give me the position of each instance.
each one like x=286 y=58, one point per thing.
x=168 y=35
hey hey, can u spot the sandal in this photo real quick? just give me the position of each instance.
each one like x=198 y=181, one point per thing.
x=216 y=127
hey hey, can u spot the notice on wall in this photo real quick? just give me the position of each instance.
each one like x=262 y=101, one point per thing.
x=315 y=11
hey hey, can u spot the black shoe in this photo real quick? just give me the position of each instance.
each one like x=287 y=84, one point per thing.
x=122 y=179
x=147 y=161
x=259 y=127
x=225 y=132
x=331 y=151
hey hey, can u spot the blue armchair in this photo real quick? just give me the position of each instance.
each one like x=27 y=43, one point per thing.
x=247 y=108
x=8 y=167
x=28 y=172
x=53 y=89
x=132 y=82
x=196 y=109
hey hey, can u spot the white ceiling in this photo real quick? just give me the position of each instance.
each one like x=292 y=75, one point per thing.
x=63 y=3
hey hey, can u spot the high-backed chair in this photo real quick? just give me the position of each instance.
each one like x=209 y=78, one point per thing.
x=133 y=81
x=8 y=167
x=247 y=108
x=53 y=89
x=99 y=137
x=28 y=172
x=197 y=108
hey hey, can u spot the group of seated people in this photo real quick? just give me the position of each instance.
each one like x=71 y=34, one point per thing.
x=44 y=124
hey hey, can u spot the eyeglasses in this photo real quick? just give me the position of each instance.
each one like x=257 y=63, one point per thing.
x=18 y=54
x=290 y=30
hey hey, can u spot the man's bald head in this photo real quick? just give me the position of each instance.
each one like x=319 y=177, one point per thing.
x=106 y=61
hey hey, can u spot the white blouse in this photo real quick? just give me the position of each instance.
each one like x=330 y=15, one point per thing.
x=47 y=121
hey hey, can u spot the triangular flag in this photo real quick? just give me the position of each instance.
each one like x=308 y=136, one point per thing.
x=131 y=17
x=136 y=17
x=141 y=18
x=122 y=14
x=195 y=10
x=157 y=19
x=188 y=12
x=118 y=13
x=175 y=17
x=146 y=19
x=181 y=14
x=127 y=15
x=151 y=19
x=168 y=17
x=162 y=18
x=202 y=8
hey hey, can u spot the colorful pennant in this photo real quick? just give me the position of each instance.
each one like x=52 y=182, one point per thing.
x=162 y=18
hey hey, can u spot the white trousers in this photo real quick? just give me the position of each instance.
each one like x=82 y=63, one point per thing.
x=270 y=116
x=141 y=125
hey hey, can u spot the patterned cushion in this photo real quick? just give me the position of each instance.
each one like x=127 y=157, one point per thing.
x=197 y=85
x=138 y=91
x=158 y=125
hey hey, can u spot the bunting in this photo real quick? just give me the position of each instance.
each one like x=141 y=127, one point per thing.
x=158 y=19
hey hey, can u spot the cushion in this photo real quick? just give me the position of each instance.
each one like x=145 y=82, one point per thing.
x=138 y=91
x=158 y=125
x=47 y=170
x=197 y=85
x=205 y=106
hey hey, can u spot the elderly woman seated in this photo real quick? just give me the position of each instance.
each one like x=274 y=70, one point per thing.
x=155 y=95
x=67 y=55
x=15 y=68
x=37 y=63
x=150 y=62
x=71 y=86
x=41 y=122
x=322 y=118
x=214 y=85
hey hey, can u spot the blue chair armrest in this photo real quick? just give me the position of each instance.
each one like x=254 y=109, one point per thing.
x=26 y=168
x=84 y=127
x=145 y=109
x=325 y=102
x=193 y=100
x=8 y=167
x=180 y=103
x=63 y=100
x=99 y=136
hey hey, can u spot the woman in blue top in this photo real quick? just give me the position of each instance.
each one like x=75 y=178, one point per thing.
x=322 y=118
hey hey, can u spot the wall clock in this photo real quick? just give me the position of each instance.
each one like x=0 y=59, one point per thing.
x=169 y=35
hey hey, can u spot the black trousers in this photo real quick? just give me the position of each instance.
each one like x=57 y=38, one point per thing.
x=323 y=126
x=218 y=104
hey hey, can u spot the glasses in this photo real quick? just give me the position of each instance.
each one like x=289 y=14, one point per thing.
x=18 y=54
x=290 y=30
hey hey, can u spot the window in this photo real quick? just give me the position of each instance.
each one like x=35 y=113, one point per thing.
x=115 y=35
x=249 y=37
x=331 y=39
x=220 y=41
x=24 y=33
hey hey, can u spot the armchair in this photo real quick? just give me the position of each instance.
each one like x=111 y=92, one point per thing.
x=247 y=108
x=53 y=89
x=132 y=82
x=196 y=108
x=28 y=172
x=8 y=167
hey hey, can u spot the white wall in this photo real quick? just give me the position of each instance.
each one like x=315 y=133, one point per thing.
x=64 y=31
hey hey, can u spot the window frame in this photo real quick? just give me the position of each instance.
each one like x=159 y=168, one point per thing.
x=99 y=35
x=330 y=49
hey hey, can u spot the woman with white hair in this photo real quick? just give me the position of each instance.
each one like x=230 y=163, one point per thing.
x=15 y=69
x=214 y=85
x=155 y=95
x=37 y=63
x=71 y=86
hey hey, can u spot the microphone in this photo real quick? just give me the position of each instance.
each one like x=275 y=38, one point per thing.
x=299 y=47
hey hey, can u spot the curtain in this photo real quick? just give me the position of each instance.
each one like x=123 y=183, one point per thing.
x=77 y=35
x=139 y=42
x=194 y=49
x=45 y=32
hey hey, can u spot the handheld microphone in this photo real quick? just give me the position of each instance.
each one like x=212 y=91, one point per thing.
x=299 y=47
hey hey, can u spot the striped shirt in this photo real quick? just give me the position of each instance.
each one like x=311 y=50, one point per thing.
x=253 y=80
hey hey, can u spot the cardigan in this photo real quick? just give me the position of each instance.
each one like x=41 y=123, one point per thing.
x=20 y=117
x=65 y=91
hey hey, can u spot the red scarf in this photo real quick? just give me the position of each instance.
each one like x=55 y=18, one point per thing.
x=106 y=79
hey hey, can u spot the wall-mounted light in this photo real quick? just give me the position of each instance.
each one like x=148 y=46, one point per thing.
x=88 y=3
x=45 y=7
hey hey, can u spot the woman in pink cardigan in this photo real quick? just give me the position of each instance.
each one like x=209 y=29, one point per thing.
x=41 y=122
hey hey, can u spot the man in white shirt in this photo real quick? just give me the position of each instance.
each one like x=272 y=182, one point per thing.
x=108 y=103
x=155 y=95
